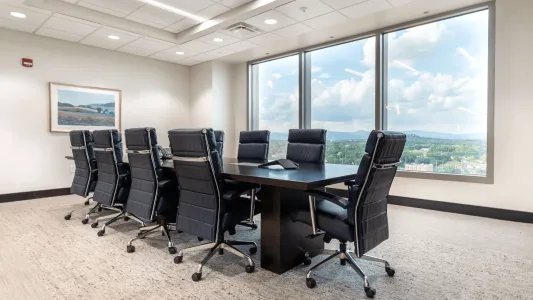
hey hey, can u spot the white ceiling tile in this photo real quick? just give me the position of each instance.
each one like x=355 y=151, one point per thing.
x=293 y=30
x=71 y=1
x=151 y=15
x=266 y=38
x=152 y=44
x=33 y=17
x=202 y=58
x=182 y=25
x=241 y=46
x=399 y=2
x=259 y=20
x=190 y=6
x=59 y=34
x=120 y=8
x=220 y=52
x=338 y=4
x=212 y=11
x=234 y=3
x=72 y=25
x=366 y=8
x=99 y=38
x=198 y=46
x=189 y=62
x=314 y=8
x=135 y=50
x=325 y=21
x=227 y=40
x=170 y=54
x=20 y=26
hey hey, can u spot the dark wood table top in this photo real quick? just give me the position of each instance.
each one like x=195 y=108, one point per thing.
x=307 y=176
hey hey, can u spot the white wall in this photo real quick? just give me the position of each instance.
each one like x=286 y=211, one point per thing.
x=513 y=182
x=154 y=94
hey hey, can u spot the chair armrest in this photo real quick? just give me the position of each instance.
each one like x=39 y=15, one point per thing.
x=350 y=183
x=337 y=200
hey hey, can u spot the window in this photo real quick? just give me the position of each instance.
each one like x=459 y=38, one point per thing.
x=431 y=79
x=437 y=94
x=342 y=84
x=275 y=101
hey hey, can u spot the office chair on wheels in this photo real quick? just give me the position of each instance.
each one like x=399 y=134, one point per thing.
x=362 y=218
x=153 y=194
x=206 y=209
x=86 y=174
x=307 y=145
x=113 y=183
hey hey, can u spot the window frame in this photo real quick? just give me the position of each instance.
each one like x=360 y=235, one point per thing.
x=381 y=89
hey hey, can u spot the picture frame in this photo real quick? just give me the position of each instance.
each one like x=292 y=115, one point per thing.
x=76 y=107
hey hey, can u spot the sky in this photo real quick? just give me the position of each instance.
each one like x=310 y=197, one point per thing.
x=437 y=81
x=84 y=98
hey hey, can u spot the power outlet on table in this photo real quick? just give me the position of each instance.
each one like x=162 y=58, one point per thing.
x=72 y=168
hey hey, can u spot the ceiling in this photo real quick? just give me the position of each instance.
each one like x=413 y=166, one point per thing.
x=189 y=32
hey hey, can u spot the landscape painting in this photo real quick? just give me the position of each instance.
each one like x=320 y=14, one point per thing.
x=76 y=108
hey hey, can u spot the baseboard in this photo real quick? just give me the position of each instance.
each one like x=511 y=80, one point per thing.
x=457 y=208
x=34 y=195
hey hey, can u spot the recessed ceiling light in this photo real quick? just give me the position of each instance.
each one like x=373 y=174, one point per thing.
x=180 y=53
x=114 y=37
x=270 y=21
x=18 y=15
x=218 y=40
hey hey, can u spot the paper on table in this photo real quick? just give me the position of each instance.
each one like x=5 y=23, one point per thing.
x=246 y=164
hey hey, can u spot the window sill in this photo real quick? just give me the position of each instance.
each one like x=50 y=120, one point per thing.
x=446 y=177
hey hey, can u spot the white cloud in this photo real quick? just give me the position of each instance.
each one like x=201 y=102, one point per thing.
x=315 y=69
x=276 y=75
x=324 y=76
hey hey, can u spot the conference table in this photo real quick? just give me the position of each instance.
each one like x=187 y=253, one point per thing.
x=283 y=242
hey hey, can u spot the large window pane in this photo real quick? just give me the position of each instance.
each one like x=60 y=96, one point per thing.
x=342 y=98
x=436 y=93
x=275 y=89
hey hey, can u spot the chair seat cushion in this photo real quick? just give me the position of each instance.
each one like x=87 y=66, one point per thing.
x=331 y=218
x=234 y=189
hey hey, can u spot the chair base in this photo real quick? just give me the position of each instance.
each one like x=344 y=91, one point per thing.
x=69 y=215
x=219 y=247
x=113 y=218
x=345 y=256
x=147 y=230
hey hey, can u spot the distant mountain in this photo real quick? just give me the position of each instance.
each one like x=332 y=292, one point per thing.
x=111 y=104
x=361 y=134
x=64 y=104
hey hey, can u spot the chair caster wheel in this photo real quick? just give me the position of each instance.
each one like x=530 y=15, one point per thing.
x=254 y=226
x=126 y=219
x=390 y=271
x=180 y=231
x=93 y=225
x=253 y=250
x=220 y=251
x=196 y=276
x=172 y=250
x=310 y=282
x=307 y=261
x=370 y=292
x=199 y=239
x=101 y=232
x=130 y=249
x=249 y=268
x=86 y=202
x=67 y=217
x=178 y=259
x=99 y=209
x=85 y=221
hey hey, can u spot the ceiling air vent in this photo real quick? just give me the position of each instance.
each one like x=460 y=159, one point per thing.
x=243 y=30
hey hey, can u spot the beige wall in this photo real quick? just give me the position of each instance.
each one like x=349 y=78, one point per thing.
x=154 y=94
x=513 y=181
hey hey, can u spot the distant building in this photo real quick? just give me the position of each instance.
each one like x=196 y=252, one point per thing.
x=419 y=167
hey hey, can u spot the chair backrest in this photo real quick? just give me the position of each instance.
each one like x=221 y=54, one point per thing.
x=376 y=172
x=253 y=145
x=108 y=153
x=198 y=168
x=307 y=145
x=145 y=167
x=81 y=143
x=219 y=138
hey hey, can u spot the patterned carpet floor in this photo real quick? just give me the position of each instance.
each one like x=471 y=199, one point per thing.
x=436 y=256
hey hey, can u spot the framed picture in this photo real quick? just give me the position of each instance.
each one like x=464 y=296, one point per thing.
x=74 y=107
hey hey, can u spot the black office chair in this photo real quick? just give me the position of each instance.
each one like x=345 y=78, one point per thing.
x=86 y=175
x=307 y=145
x=253 y=146
x=362 y=218
x=114 y=180
x=206 y=208
x=219 y=138
x=153 y=194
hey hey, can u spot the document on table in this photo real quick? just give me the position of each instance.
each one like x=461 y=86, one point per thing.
x=246 y=164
